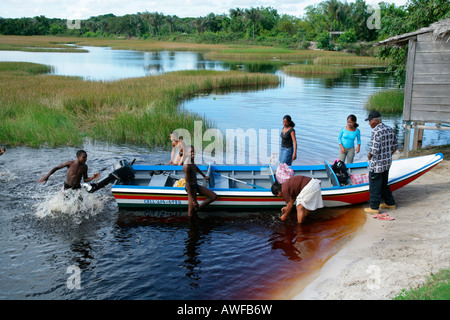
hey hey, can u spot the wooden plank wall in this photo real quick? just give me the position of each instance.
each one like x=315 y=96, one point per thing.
x=429 y=94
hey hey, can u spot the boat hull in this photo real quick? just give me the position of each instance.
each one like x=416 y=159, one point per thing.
x=135 y=197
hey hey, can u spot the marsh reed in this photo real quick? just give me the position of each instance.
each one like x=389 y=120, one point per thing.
x=389 y=101
x=39 y=109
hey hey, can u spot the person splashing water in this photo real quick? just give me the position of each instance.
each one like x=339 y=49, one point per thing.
x=77 y=170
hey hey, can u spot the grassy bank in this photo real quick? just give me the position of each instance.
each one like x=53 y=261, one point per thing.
x=390 y=101
x=49 y=43
x=258 y=53
x=332 y=64
x=55 y=110
x=224 y=52
x=436 y=287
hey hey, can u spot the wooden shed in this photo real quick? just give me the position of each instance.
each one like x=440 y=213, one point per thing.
x=427 y=86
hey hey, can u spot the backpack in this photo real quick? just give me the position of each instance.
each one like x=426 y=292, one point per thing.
x=340 y=169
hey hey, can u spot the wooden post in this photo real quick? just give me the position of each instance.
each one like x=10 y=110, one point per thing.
x=407 y=139
x=418 y=136
x=408 y=93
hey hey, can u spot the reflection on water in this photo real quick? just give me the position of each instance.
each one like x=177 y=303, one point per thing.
x=106 y=64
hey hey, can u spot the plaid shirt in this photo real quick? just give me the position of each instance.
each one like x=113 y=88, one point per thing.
x=383 y=143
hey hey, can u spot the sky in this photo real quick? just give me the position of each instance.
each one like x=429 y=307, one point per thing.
x=84 y=9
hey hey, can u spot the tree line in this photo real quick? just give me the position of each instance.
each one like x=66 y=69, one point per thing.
x=260 y=25
x=256 y=25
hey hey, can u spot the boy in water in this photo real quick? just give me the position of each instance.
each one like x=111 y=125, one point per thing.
x=190 y=170
x=77 y=169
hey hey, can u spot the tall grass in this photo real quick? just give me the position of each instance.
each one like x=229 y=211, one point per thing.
x=350 y=60
x=55 y=110
x=267 y=54
x=25 y=67
x=390 y=101
x=56 y=43
x=311 y=69
x=332 y=64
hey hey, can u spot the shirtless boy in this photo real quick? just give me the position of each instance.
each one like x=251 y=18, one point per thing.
x=190 y=170
x=77 y=170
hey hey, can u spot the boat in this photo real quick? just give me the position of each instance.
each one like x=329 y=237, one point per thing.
x=247 y=187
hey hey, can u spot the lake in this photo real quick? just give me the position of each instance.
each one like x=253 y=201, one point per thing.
x=80 y=246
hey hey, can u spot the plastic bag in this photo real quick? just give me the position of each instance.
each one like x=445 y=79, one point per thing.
x=283 y=173
x=180 y=183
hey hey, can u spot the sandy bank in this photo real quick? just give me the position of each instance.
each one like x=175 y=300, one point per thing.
x=388 y=256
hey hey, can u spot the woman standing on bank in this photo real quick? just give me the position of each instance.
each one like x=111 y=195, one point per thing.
x=288 y=150
x=347 y=138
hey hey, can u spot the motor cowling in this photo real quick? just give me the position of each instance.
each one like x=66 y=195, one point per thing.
x=122 y=172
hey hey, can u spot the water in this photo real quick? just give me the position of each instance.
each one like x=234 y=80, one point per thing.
x=45 y=234
x=145 y=255
x=106 y=64
x=318 y=107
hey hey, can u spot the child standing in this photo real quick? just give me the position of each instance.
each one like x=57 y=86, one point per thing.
x=347 y=138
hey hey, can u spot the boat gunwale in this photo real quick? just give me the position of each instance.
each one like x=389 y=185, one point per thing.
x=437 y=157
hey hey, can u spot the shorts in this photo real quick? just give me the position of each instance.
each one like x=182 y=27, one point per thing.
x=194 y=187
x=66 y=186
x=311 y=196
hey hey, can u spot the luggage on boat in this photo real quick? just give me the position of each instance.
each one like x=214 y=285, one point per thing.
x=340 y=169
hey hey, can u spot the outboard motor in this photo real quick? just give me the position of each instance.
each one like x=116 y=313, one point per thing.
x=123 y=172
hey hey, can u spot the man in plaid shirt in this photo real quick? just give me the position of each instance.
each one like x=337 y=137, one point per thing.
x=383 y=144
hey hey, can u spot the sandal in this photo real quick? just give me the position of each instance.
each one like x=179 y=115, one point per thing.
x=384 y=216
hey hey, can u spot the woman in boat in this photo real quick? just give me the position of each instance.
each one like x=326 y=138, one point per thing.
x=288 y=150
x=347 y=138
x=302 y=191
x=178 y=149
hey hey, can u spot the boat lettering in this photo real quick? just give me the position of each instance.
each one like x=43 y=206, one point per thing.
x=150 y=201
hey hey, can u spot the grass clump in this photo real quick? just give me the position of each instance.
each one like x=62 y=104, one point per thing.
x=350 y=60
x=311 y=69
x=24 y=67
x=331 y=64
x=437 y=287
x=390 y=101
x=42 y=109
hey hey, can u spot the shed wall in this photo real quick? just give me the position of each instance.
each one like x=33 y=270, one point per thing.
x=428 y=96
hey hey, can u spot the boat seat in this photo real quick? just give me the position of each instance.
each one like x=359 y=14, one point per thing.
x=331 y=175
x=158 y=180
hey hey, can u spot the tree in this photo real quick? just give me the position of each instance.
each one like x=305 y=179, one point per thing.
x=254 y=16
x=237 y=17
x=154 y=19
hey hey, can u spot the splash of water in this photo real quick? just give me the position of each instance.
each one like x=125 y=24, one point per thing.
x=74 y=205
x=7 y=176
